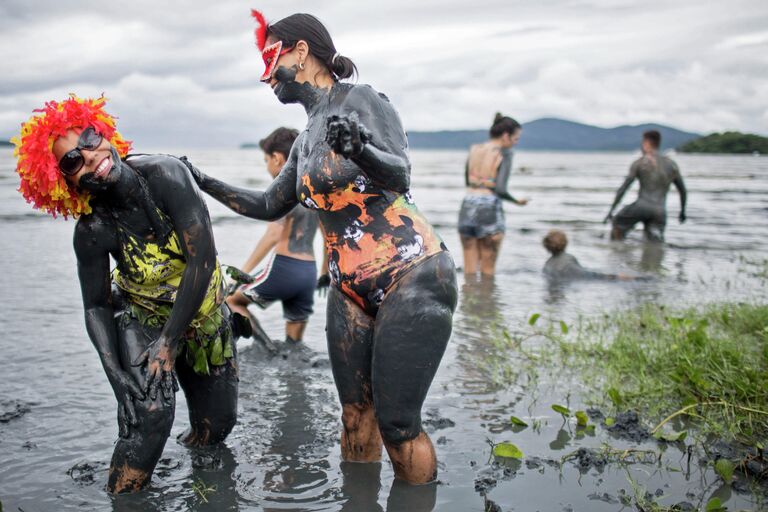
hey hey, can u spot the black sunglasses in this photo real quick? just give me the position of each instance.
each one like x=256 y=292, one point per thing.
x=72 y=161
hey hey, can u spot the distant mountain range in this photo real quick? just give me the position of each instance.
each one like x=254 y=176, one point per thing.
x=557 y=134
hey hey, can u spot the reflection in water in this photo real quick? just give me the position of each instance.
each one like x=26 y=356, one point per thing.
x=556 y=291
x=480 y=302
x=292 y=477
x=561 y=441
x=361 y=486
x=480 y=309
x=213 y=475
x=652 y=257
x=479 y=324
x=404 y=497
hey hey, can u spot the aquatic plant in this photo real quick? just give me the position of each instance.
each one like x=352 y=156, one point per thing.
x=202 y=489
x=709 y=364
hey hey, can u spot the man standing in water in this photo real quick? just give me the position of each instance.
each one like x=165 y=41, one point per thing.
x=655 y=173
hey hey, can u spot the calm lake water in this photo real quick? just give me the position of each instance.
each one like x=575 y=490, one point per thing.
x=283 y=454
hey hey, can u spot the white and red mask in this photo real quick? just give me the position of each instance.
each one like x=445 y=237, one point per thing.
x=271 y=54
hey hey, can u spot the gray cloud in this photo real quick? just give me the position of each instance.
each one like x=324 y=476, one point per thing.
x=181 y=74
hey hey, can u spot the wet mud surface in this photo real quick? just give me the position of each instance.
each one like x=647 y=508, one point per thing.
x=58 y=416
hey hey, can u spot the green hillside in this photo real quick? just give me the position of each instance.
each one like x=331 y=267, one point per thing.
x=727 y=142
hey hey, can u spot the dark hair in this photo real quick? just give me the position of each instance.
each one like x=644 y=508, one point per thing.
x=555 y=242
x=654 y=137
x=279 y=141
x=503 y=124
x=306 y=27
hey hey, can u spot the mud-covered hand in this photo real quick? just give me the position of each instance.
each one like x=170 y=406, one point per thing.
x=125 y=389
x=323 y=282
x=346 y=135
x=161 y=375
x=682 y=217
x=238 y=275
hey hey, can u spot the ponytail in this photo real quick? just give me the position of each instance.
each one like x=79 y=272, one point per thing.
x=503 y=124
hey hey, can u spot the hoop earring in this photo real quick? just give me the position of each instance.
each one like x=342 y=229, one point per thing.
x=301 y=66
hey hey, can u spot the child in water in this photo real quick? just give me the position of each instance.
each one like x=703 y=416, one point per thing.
x=564 y=266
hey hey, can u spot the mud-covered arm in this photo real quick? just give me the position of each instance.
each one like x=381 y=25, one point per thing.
x=265 y=244
x=381 y=148
x=623 y=189
x=92 y=241
x=680 y=185
x=502 y=177
x=324 y=279
x=189 y=217
x=466 y=173
x=271 y=204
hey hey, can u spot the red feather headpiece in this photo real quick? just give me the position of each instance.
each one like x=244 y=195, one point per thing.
x=41 y=182
x=261 y=30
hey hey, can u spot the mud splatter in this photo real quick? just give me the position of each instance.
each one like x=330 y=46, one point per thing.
x=12 y=409
x=435 y=422
x=627 y=426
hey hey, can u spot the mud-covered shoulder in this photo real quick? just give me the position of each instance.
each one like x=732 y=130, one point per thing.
x=671 y=165
x=377 y=114
x=159 y=167
x=168 y=178
x=364 y=93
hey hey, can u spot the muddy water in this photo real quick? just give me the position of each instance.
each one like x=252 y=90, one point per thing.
x=57 y=414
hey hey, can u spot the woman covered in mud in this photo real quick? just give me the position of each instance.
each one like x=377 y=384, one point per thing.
x=393 y=293
x=160 y=314
x=481 y=218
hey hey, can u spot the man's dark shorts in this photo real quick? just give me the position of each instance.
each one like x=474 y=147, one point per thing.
x=288 y=280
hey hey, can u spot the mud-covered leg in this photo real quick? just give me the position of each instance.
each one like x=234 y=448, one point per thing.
x=211 y=399
x=625 y=221
x=471 y=255
x=412 y=329
x=489 y=248
x=654 y=228
x=350 y=332
x=136 y=455
x=294 y=331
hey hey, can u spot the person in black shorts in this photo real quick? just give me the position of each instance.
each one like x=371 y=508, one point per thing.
x=655 y=174
x=481 y=218
x=290 y=274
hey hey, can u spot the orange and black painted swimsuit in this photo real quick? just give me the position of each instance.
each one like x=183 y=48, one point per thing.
x=373 y=232
x=372 y=235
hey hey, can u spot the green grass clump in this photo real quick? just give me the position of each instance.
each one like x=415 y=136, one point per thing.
x=711 y=362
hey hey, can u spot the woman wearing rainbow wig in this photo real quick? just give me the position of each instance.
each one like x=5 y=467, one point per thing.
x=159 y=315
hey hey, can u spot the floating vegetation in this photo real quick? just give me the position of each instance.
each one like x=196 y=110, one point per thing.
x=202 y=489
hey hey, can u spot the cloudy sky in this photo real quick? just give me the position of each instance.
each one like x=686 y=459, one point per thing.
x=185 y=73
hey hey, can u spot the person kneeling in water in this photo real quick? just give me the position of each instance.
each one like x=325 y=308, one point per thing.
x=160 y=314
